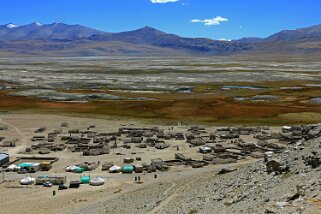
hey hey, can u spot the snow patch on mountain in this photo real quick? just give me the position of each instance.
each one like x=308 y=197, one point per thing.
x=12 y=26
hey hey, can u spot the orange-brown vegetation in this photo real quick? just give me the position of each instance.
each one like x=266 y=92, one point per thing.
x=195 y=107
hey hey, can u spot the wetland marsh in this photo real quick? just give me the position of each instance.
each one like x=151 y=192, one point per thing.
x=196 y=90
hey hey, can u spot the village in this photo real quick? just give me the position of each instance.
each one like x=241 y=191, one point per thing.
x=75 y=161
x=69 y=154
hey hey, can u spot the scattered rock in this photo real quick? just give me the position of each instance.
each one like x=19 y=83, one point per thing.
x=294 y=197
x=226 y=170
x=281 y=205
x=312 y=161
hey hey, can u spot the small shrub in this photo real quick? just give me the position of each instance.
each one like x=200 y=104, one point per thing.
x=117 y=191
x=192 y=211
x=287 y=175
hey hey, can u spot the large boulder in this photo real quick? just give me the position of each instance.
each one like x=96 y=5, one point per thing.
x=276 y=166
x=314 y=132
x=313 y=161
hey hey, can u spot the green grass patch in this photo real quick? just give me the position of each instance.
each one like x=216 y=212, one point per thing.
x=301 y=118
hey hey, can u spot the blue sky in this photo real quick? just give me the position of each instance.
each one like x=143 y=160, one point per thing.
x=229 y=19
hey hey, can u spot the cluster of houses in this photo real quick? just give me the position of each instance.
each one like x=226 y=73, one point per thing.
x=92 y=143
x=219 y=146
x=225 y=145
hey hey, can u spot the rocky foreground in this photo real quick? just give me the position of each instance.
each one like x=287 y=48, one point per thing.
x=289 y=182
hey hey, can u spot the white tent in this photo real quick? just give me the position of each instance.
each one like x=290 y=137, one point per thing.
x=114 y=169
x=12 y=168
x=71 y=168
x=27 y=181
x=97 y=181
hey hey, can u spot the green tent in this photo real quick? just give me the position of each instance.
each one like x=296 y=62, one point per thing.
x=127 y=169
x=79 y=170
x=85 y=179
x=22 y=165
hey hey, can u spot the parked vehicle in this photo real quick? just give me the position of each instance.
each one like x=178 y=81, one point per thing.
x=22 y=171
x=47 y=184
x=62 y=187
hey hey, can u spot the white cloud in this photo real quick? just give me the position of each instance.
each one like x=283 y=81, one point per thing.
x=214 y=21
x=162 y=1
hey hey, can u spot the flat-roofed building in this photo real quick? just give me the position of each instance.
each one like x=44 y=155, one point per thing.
x=4 y=158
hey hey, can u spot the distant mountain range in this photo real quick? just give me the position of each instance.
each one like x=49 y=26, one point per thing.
x=60 y=39
x=54 y=31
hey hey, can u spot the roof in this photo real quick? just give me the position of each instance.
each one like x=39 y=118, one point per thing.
x=205 y=148
x=46 y=162
x=28 y=164
x=3 y=156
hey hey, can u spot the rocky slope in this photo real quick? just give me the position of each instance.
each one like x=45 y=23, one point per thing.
x=252 y=190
